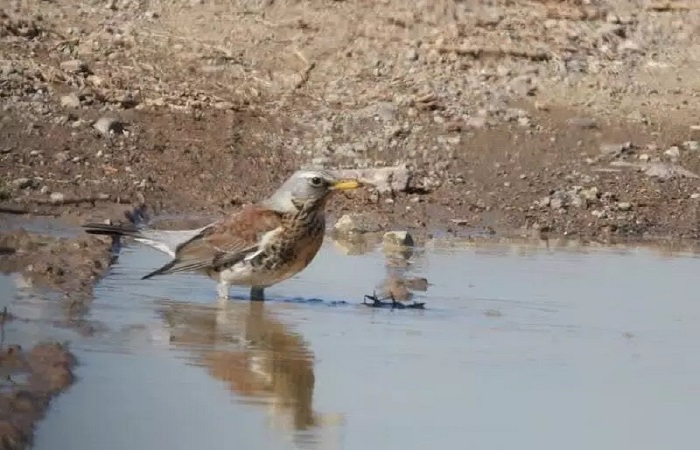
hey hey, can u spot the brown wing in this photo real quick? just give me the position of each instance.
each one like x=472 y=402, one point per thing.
x=225 y=242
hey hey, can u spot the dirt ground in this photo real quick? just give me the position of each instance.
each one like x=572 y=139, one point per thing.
x=517 y=118
x=572 y=117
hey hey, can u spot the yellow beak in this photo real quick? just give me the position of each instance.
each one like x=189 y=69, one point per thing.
x=344 y=185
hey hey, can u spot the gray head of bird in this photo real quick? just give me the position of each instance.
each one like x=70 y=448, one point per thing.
x=307 y=188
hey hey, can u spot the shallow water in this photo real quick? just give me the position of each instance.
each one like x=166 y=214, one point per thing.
x=520 y=346
x=38 y=225
x=38 y=310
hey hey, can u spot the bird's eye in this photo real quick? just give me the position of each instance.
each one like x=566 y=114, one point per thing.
x=316 y=181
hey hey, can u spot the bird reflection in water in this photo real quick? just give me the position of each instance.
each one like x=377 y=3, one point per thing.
x=259 y=359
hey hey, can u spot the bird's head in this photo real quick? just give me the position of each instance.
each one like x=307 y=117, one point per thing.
x=308 y=187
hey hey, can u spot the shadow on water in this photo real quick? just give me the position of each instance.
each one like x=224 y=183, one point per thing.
x=547 y=346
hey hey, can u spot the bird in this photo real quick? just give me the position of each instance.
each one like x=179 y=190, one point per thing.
x=262 y=244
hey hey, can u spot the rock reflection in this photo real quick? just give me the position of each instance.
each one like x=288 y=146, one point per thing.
x=358 y=245
x=398 y=284
x=258 y=358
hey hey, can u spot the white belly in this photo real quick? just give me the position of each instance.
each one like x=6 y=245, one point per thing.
x=243 y=275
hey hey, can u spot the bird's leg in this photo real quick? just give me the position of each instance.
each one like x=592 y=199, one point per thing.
x=222 y=291
x=257 y=293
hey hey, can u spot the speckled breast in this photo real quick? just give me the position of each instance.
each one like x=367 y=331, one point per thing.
x=293 y=249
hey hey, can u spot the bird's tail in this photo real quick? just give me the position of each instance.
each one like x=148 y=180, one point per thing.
x=166 y=241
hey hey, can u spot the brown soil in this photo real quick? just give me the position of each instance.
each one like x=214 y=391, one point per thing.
x=515 y=117
x=30 y=379
x=499 y=108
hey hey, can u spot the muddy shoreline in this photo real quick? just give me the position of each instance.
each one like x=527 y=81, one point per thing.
x=65 y=269
x=613 y=181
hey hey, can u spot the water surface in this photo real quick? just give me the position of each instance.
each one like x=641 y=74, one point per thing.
x=520 y=347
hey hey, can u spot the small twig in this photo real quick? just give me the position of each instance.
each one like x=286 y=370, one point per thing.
x=10 y=210
x=481 y=52
x=304 y=76
x=667 y=6
x=301 y=56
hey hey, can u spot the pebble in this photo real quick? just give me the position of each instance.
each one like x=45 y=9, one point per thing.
x=524 y=121
x=695 y=196
x=57 y=197
x=612 y=18
x=475 y=122
x=70 y=101
x=489 y=19
x=411 y=55
x=624 y=206
x=383 y=179
x=673 y=152
x=695 y=132
x=615 y=149
x=397 y=239
x=95 y=80
x=576 y=66
x=454 y=140
x=590 y=194
x=74 y=66
x=522 y=87
x=692 y=146
x=611 y=31
x=556 y=203
x=321 y=162
x=22 y=183
x=356 y=224
x=386 y=111
x=62 y=157
x=107 y=125
x=667 y=171
x=586 y=123
x=629 y=46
